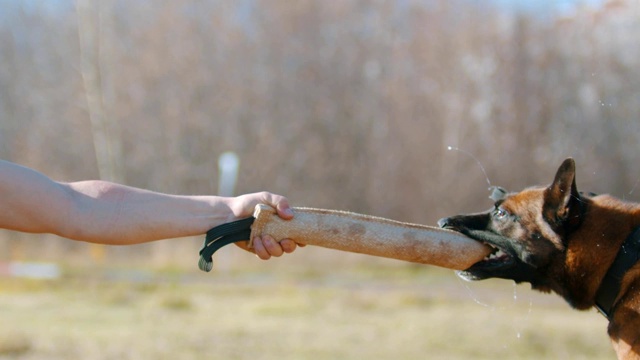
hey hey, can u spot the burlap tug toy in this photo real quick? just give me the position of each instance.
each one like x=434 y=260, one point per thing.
x=347 y=231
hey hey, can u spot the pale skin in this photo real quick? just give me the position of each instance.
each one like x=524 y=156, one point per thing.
x=113 y=214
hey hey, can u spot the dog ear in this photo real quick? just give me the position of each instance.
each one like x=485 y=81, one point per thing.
x=561 y=198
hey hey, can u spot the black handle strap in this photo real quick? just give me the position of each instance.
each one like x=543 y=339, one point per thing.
x=627 y=257
x=220 y=236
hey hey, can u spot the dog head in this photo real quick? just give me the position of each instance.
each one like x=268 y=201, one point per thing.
x=526 y=229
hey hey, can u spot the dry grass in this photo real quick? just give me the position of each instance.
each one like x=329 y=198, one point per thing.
x=377 y=311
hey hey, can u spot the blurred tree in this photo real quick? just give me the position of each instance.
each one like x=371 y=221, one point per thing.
x=348 y=105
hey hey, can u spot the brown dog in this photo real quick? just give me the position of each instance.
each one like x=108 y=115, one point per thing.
x=583 y=247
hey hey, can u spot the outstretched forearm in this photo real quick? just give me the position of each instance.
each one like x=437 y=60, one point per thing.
x=104 y=212
x=108 y=213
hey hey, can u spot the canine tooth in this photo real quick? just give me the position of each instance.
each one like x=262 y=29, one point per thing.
x=496 y=255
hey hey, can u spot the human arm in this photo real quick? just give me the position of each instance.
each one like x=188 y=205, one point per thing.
x=108 y=213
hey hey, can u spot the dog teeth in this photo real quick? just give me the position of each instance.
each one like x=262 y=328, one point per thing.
x=496 y=255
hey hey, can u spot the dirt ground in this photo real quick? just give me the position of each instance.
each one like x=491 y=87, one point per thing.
x=374 y=310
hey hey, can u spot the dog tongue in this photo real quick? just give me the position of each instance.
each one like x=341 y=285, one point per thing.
x=371 y=235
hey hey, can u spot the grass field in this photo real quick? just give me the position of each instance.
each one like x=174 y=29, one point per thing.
x=372 y=310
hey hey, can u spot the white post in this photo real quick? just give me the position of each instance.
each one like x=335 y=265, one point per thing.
x=228 y=164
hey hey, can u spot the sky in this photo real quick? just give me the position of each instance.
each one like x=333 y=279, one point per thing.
x=531 y=6
x=543 y=6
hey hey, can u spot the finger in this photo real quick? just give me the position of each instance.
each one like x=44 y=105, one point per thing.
x=272 y=246
x=284 y=210
x=288 y=245
x=281 y=204
x=260 y=250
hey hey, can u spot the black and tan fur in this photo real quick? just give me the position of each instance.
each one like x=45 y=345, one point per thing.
x=561 y=241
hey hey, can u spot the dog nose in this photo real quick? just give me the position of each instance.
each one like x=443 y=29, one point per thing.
x=443 y=222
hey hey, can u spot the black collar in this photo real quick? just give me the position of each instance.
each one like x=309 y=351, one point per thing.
x=628 y=255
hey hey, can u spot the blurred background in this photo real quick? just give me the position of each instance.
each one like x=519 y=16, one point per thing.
x=403 y=109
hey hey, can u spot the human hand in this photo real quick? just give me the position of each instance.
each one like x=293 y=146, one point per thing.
x=242 y=206
x=266 y=246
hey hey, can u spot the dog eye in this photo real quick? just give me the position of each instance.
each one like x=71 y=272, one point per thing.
x=500 y=213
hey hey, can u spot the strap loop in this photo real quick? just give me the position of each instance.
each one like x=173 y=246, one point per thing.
x=220 y=236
